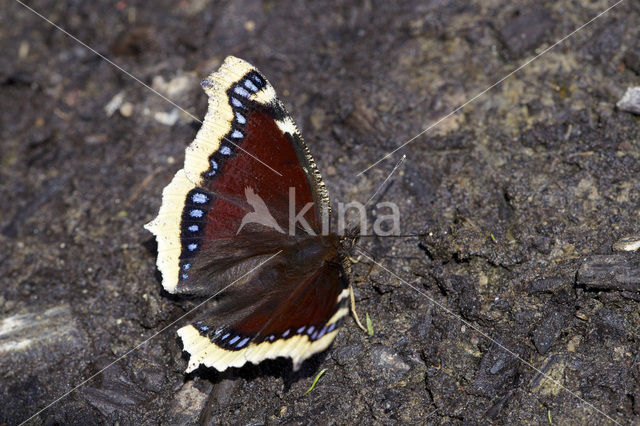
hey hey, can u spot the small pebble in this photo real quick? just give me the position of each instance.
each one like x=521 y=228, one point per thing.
x=250 y=25
x=582 y=316
x=113 y=105
x=167 y=118
x=176 y=86
x=23 y=50
x=126 y=110
x=497 y=366
x=387 y=360
x=630 y=102
x=573 y=344
x=628 y=243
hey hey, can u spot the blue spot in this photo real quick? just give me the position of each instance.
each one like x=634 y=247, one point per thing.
x=310 y=330
x=241 y=91
x=214 y=165
x=237 y=134
x=235 y=339
x=236 y=103
x=186 y=266
x=286 y=333
x=272 y=337
x=224 y=337
x=321 y=332
x=242 y=343
x=192 y=246
x=203 y=328
x=225 y=150
x=301 y=329
x=199 y=198
x=249 y=85
x=257 y=79
x=195 y=213
x=331 y=327
x=185 y=276
x=240 y=118
x=193 y=228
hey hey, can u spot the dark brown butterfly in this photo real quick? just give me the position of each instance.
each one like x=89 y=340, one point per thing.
x=221 y=227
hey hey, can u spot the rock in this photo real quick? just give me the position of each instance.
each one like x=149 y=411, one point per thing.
x=388 y=361
x=610 y=272
x=126 y=110
x=176 y=87
x=526 y=30
x=167 y=118
x=628 y=243
x=548 y=331
x=630 y=102
x=113 y=105
x=497 y=370
x=187 y=404
x=497 y=366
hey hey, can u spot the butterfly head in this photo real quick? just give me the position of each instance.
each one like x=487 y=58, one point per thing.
x=349 y=240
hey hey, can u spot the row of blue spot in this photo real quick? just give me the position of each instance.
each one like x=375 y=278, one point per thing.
x=193 y=218
x=238 y=342
x=239 y=95
x=198 y=202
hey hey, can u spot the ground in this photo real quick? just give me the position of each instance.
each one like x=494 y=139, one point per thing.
x=518 y=302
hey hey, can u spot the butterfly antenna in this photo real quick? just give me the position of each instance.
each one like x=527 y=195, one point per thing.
x=395 y=236
x=384 y=182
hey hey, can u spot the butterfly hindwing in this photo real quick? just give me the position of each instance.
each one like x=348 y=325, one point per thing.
x=284 y=310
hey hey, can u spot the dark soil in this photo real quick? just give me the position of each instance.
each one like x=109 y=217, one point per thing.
x=521 y=197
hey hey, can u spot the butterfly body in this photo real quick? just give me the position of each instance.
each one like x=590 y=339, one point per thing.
x=225 y=227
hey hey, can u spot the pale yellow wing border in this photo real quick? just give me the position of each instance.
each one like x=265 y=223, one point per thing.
x=297 y=347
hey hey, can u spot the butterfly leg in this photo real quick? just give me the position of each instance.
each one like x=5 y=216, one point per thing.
x=353 y=308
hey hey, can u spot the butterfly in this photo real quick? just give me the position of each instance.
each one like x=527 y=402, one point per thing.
x=247 y=217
